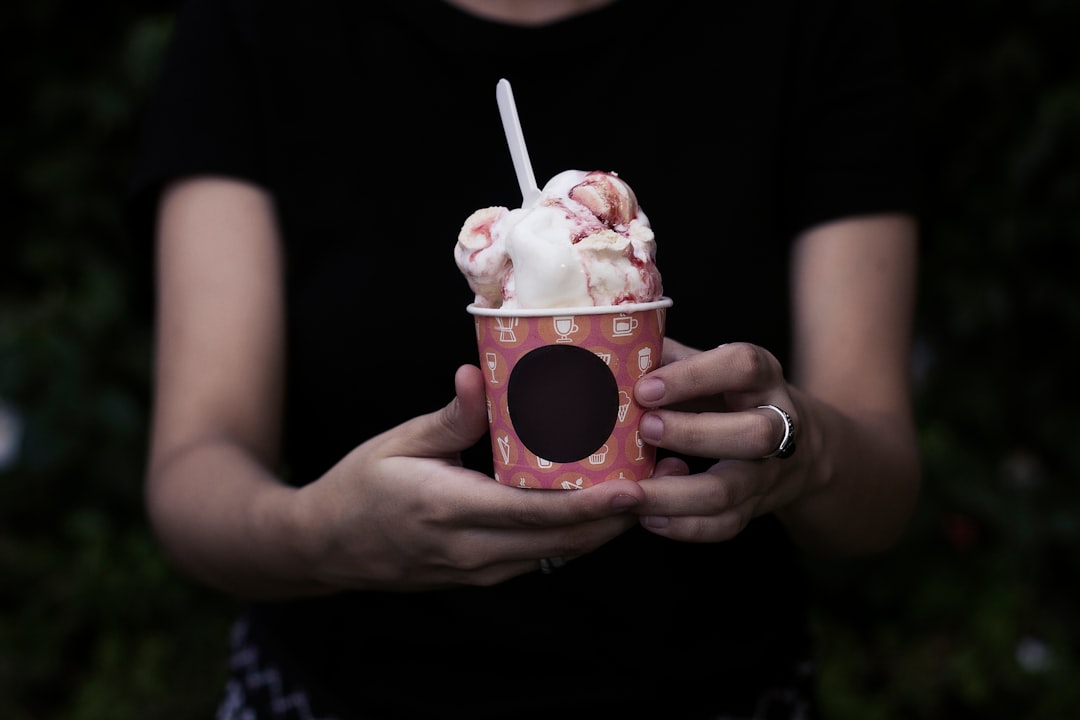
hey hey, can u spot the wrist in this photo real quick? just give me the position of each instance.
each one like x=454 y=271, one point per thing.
x=285 y=523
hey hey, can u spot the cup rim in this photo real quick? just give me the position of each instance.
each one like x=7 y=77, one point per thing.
x=624 y=309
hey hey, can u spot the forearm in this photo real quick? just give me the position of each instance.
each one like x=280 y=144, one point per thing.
x=863 y=476
x=852 y=303
x=226 y=521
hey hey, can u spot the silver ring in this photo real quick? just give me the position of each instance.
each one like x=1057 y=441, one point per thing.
x=786 y=448
x=551 y=564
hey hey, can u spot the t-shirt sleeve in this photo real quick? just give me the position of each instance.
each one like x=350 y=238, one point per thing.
x=203 y=117
x=854 y=149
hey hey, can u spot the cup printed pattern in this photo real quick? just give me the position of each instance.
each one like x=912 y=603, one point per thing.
x=629 y=344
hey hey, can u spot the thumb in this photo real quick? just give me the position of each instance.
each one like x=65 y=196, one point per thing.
x=467 y=412
x=448 y=431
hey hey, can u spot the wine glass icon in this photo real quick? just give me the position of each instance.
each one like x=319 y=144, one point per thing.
x=492 y=362
x=640 y=445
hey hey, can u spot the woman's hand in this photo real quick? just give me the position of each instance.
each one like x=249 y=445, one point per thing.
x=851 y=484
x=399 y=512
x=708 y=404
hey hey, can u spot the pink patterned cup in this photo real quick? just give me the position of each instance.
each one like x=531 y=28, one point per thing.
x=560 y=391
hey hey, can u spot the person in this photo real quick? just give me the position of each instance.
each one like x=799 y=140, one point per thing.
x=318 y=445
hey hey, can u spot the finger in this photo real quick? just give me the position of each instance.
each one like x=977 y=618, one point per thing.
x=675 y=350
x=508 y=540
x=745 y=435
x=706 y=507
x=489 y=504
x=731 y=368
x=445 y=432
x=671 y=466
x=468 y=411
x=697 y=528
x=707 y=493
x=567 y=542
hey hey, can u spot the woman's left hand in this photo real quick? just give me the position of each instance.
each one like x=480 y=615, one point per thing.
x=709 y=404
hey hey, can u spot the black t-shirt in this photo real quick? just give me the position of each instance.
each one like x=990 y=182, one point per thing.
x=375 y=127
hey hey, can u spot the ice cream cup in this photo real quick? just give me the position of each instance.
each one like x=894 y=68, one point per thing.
x=560 y=391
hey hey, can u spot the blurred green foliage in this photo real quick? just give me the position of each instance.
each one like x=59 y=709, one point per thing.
x=94 y=625
x=973 y=616
x=976 y=614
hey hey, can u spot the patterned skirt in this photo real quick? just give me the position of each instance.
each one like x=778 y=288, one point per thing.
x=258 y=690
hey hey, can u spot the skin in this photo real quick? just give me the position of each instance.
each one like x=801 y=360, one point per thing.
x=852 y=484
x=527 y=12
x=399 y=512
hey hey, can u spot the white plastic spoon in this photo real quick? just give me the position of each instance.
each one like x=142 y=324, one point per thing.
x=530 y=192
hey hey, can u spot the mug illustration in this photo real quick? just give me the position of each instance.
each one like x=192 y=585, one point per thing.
x=623 y=325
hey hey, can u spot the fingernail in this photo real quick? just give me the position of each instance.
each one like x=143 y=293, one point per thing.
x=621 y=502
x=650 y=390
x=658 y=522
x=651 y=428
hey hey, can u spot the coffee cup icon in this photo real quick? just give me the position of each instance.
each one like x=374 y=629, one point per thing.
x=623 y=325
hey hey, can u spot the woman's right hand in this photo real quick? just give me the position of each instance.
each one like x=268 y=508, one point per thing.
x=400 y=512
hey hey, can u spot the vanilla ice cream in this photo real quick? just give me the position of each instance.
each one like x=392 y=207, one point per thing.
x=584 y=242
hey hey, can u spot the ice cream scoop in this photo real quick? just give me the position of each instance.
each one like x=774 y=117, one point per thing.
x=584 y=242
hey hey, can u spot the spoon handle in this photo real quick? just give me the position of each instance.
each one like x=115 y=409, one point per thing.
x=515 y=139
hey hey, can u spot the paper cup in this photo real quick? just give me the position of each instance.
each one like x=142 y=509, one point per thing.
x=560 y=391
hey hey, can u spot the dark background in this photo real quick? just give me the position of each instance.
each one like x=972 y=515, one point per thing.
x=973 y=616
